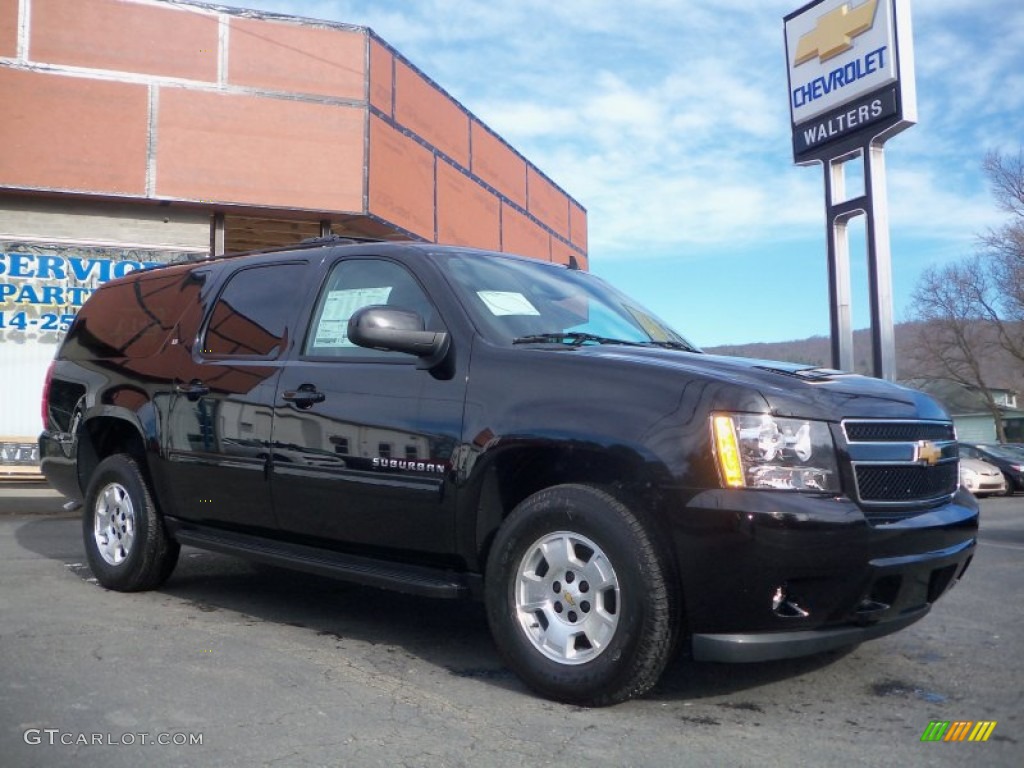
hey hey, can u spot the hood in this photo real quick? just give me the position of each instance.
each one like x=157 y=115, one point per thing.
x=979 y=466
x=790 y=389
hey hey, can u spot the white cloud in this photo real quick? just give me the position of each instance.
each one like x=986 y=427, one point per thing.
x=668 y=120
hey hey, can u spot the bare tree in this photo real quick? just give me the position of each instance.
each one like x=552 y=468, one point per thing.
x=1006 y=176
x=952 y=338
x=971 y=310
x=1004 y=251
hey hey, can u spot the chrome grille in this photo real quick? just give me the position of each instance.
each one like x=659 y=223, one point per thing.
x=896 y=484
x=897 y=431
x=902 y=463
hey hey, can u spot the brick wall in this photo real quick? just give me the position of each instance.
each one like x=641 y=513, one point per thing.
x=236 y=110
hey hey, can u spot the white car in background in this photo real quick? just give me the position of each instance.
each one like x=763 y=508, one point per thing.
x=981 y=478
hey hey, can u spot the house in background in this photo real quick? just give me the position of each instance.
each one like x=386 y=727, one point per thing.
x=972 y=417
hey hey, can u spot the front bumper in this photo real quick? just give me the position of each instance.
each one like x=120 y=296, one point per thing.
x=912 y=583
x=985 y=484
x=787 y=645
x=777 y=575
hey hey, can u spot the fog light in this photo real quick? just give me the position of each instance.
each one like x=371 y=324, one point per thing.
x=783 y=606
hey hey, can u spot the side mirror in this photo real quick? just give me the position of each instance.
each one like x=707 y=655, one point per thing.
x=397 y=330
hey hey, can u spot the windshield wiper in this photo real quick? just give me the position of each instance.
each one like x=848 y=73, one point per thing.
x=573 y=338
x=671 y=345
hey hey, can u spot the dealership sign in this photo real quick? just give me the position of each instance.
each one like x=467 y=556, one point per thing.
x=851 y=74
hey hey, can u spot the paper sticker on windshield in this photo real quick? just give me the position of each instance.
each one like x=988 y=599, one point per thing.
x=651 y=327
x=332 y=330
x=503 y=303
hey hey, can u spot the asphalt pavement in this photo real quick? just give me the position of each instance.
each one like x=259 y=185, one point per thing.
x=234 y=664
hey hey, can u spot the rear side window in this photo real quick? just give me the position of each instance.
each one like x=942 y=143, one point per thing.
x=253 y=314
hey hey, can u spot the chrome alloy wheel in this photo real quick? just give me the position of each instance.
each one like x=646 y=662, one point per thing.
x=114 y=523
x=567 y=597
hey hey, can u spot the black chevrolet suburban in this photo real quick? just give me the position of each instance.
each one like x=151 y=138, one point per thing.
x=463 y=424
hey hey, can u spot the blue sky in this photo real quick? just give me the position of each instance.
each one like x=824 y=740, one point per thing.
x=668 y=120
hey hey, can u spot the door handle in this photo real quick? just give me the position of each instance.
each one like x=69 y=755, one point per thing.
x=305 y=396
x=193 y=390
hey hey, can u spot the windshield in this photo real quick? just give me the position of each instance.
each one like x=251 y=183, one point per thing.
x=1010 y=452
x=516 y=300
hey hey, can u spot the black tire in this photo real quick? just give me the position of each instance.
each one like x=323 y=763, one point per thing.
x=1010 y=485
x=621 y=645
x=126 y=544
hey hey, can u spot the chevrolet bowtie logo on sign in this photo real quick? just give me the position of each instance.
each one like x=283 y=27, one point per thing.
x=835 y=31
x=850 y=68
x=838 y=51
x=928 y=453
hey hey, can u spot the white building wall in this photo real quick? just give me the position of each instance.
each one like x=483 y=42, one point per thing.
x=67 y=220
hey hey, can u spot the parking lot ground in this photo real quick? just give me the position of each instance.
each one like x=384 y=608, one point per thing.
x=268 y=667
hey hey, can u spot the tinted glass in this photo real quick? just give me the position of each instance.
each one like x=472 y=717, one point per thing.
x=1007 y=452
x=357 y=283
x=250 y=319
x=133 y=318
x=517 y=298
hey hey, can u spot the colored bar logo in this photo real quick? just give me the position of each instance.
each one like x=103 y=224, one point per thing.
x=958 y=730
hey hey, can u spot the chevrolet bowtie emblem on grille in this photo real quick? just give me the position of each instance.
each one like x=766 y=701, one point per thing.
x=835 y=31
x=927 y=453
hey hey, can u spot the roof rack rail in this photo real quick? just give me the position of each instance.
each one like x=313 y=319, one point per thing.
x=195 y=258
x=327 y=239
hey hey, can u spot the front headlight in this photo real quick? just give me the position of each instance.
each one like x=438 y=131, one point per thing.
x=762 y=451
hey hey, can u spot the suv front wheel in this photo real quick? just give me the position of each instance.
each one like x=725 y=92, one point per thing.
x=125 y=542
x=578 y=598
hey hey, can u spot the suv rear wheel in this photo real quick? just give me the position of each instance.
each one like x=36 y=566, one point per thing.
x=577 y=597
x=125 y=542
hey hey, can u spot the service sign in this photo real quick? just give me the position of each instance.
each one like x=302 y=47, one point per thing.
x=42 y=287
x=850 y=63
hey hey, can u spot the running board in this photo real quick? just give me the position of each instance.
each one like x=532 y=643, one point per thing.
x=411 y=579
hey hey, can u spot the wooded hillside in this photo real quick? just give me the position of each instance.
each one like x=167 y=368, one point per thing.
x=1001 y=370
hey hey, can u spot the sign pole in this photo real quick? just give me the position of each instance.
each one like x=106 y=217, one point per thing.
x=883 y=337
x=851 y=87
x=838 y=265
